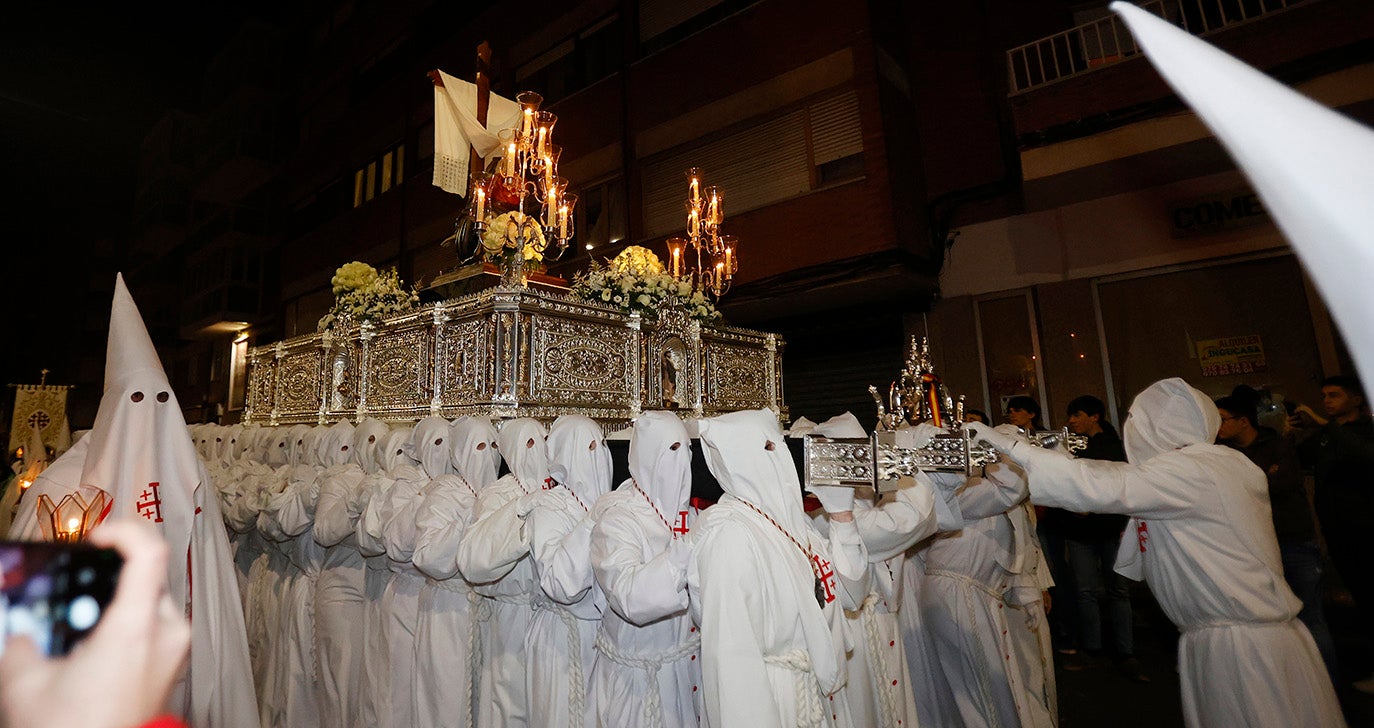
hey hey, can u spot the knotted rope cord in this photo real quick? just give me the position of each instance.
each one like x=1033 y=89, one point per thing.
x=577 y=690
x=653 y=708
x=810 y=712
x=979 y=662
x=877 y=663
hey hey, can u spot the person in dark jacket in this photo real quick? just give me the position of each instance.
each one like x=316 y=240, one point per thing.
x=1340 y=452
x=1293 y=522
x=1092 y=540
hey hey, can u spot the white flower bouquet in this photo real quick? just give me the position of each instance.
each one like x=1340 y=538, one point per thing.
x=636 y=281
x=500 y=240
x=362 y=293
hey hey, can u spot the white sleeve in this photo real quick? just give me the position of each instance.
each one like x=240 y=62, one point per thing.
x=440 y=528
x=1165 y=487
x=333 y=522
x=495 y=541
x=560 y=545
x=641 y=591
x=1001 y=487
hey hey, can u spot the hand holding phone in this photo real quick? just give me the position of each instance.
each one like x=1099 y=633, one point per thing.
x=54 y=593
x=122 y=672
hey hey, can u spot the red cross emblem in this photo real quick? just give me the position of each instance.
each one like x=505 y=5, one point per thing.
x=149 y=504
x=681 y=526
x=1142 y=535
x=549 y=484
x=827 y=577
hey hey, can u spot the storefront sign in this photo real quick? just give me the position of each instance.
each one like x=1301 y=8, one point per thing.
x=1231 y=355
x=1213 y=214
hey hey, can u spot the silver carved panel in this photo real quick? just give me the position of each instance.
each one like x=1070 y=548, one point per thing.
x=397 y=373
x=736 y=378
x=298 y=381
x=581 y=363
x=463 y=358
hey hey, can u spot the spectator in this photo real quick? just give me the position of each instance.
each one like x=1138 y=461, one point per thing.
x=1340 y=452
x=1092 y=540
x=1293 y=524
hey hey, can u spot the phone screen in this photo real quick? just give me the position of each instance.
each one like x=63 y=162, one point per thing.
x=54 y=593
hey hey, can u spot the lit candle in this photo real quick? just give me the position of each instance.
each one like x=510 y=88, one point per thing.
x=543 y=140
x=677 y=262
x=481 y=204
x=713 y=215
x=729 y=261
x=510 y=160
x=527 y=122
x=715 y=284
x=696 y=189
x=563 y=222
x=71 y=532
x=693 y=222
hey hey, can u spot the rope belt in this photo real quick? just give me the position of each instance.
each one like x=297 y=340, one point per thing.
x=455 y=585
x=650 y=664
x=577 y=690
x=1222 y=624
x=877 y=662
x=984 y=679
x=810 y=712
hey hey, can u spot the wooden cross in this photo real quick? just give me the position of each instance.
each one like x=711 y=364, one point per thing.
x=482 y=78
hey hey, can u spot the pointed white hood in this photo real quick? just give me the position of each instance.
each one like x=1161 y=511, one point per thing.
x=1166 y=416
x=393 y=451
x=663 y=472
x=1313 y=167
x=474 y=451
x=845 y=425
x=578 y=457
x=367 y=436
x=336 y=447
x=747 y=453
x=522 y=445
x=429 y=444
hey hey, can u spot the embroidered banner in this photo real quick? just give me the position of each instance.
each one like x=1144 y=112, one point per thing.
x=38 y=405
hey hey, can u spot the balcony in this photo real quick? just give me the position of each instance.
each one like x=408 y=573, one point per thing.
x=1094 y=77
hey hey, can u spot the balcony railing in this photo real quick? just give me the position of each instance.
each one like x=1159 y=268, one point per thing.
x=1107 y=41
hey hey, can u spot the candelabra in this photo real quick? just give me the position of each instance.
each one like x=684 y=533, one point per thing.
x=705 y=257
x=527 y=201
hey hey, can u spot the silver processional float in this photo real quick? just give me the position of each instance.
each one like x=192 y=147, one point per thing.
x=888 y=458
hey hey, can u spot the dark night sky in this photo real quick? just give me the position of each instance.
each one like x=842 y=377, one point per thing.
x=79 y=89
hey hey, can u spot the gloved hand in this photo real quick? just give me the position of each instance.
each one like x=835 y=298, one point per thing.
x=1009 y=445
x=1035 y=617
x=916 y=437
x=834 y=498
x=526 y=503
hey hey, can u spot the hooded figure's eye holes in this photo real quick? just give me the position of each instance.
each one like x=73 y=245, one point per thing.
x=592 y=446
x=344 y=448
x=481 y=446
x=371 y=439
x=675 y=446
x=136 y=397
x=439 y=441
x=162 y=397
x=769 y=446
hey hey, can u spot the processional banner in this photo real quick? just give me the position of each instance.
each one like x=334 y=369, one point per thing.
x=38 y=405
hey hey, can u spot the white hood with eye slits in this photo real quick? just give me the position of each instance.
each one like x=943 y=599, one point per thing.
x=1166 y=416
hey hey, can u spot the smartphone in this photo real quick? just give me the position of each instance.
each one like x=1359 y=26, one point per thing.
x=53 y=592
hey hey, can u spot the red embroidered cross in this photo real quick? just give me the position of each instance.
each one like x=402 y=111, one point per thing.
x=149 y=504
x=681 y=526
x=827 y=577
x=1142 y=535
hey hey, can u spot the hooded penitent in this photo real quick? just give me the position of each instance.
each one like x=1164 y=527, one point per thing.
x=521 y=442
x=1168 y=415
x=578 y=457
x=474 y=451
x=661 y=461
x=141 y=453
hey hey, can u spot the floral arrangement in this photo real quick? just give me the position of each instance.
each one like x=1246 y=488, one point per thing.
x=499 y=239
x=362 y=293
x=636 y=281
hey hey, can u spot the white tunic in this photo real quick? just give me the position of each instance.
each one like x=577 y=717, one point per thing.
x=648 y=670
x=771 y=654
x=979 y=601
